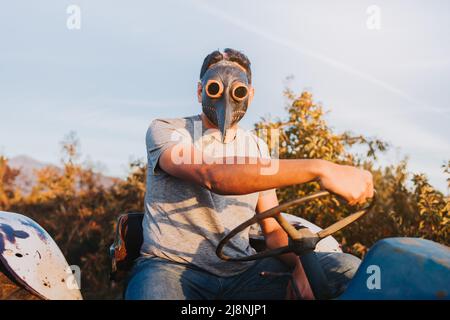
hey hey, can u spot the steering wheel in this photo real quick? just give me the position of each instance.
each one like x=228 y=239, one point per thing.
x=300 y=241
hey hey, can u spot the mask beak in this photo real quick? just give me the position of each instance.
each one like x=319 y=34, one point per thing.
x=224 y=119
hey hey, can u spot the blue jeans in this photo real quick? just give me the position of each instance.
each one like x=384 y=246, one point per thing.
x=160 y=279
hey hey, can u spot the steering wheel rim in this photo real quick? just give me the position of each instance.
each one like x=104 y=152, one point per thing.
x=303 y=235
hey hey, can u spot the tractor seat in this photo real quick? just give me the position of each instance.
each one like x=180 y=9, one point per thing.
x=127 y=244
x=128 y=240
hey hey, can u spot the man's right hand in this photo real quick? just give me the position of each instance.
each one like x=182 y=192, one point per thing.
x=354 y=184
x=244 y=175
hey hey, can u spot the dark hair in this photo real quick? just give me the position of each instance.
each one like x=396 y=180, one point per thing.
x=231 y=55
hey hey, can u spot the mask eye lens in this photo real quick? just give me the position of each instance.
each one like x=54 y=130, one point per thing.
x=239 y=92
x=214 y=88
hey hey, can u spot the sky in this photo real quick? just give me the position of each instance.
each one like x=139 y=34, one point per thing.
x=133 y=61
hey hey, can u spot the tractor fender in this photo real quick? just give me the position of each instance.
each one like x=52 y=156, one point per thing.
x=33 y=259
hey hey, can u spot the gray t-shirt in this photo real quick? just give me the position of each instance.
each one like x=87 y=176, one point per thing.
x=184 y=222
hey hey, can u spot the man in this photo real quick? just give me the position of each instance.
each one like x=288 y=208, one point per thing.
x=206 y=176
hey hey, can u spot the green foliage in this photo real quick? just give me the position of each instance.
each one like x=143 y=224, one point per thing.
x=80 y=213
x=399 y=211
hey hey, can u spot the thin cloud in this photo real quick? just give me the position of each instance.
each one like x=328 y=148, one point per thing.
x=204 y=6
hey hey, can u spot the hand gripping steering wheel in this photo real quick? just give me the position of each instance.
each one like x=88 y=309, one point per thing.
x=302 y=242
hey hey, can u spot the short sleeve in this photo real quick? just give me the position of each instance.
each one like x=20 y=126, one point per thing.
x=161 y=135
x=264 y=153
x=263 y=149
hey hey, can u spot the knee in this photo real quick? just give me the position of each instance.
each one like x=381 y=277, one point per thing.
x=139 y=286
x=350 y=264
x=153 y=282
x=340 y=269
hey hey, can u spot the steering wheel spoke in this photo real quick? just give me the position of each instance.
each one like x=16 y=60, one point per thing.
x=302 y=240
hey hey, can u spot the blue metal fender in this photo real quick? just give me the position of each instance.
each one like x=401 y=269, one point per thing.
x=402 y=268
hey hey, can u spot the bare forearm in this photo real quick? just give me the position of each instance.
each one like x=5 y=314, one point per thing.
x=259 y=176
x=234 y=176
x=277 y=239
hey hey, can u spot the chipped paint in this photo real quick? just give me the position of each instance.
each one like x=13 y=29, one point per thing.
x=41 y=233
x=10 y=234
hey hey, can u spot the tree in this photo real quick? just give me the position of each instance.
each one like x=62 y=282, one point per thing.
x=8 y=191
x=80 y=213
x=305 y=134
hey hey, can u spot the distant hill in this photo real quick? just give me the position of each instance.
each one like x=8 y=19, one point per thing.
x=28 y=166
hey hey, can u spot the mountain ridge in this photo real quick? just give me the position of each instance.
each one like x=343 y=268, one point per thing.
x=28 y=166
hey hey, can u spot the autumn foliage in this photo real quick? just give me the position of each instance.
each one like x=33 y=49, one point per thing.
x=417 y=211
x=80 y=213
